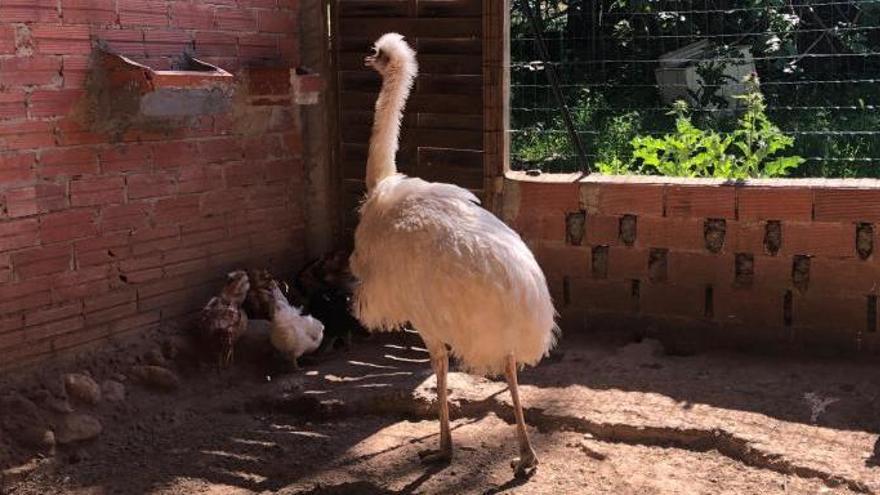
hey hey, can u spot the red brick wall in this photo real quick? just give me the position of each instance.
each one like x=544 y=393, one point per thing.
x=791 y=263
x=101 y=235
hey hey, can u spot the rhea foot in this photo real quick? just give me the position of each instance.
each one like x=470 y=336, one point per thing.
x=524 y=465
x=436 y=456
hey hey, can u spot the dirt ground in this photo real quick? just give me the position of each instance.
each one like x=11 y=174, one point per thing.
x=604 y=418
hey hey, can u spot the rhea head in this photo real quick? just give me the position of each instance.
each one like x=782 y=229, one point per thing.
x=389 y=53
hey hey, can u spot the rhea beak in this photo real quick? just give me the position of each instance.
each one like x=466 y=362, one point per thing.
x=369 y=61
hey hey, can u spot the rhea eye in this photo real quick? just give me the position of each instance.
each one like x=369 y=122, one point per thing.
x=375 y=51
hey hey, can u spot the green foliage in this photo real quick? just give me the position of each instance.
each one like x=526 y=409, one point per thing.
x=748 y=151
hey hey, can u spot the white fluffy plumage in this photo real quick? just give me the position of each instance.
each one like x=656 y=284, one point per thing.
x=428 y=254
x=292 y=333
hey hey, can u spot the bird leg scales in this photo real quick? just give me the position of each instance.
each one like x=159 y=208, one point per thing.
x=440 y=363
x=527 y=460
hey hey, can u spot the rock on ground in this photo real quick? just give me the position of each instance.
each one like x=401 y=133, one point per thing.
x=82 y=388
x=78 y=427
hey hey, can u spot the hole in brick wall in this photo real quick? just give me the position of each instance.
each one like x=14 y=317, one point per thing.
x=657 y=270
x=709 y=302
x=745 y=269
x=864 y=240
x=110 y=253
x=800 y=272
x=574 y=227
x=872 y=314
x=635 y=290
x=773 y=237
x=566 y=290
x=123 y=278
x=787 y=304
x=628 y=227
x=600 y=261
x=714 y=230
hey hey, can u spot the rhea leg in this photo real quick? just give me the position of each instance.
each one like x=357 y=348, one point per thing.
x=527 y=459
x=440 y=363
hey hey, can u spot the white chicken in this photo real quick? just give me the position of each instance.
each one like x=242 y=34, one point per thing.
x=293 y=334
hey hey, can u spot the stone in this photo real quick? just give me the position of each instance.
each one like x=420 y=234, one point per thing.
x=156 y=358
x=113 y=391
x=156 y=377
x=77 y=428
x=82 y=388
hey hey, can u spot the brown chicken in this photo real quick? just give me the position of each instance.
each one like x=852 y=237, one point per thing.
x=222 y=320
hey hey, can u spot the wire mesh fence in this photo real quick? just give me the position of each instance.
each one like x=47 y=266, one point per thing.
x=622 y=64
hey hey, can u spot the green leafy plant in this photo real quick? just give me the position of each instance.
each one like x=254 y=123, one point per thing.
x=748 y=151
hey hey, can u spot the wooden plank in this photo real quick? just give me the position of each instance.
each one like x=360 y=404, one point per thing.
x=457 y=104
x=449 y=8
x=444 y=157
x=434 y=138
x=496 y=99
x=373 y=27
x=374 y=8
x=424 y=45
x=421 y=120
x=369 y=81
x=428 y=64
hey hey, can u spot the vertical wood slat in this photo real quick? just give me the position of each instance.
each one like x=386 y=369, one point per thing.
x=496 y=97
x=446 y=106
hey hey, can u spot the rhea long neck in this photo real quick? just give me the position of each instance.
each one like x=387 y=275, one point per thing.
x=384 y=141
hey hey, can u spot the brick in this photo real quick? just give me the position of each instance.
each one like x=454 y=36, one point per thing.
x=220 y=149
x=775 y=203
x=258 y=46
x=673 y=300
x=16 y=234
x=125 y=216
x=138 y=322
x=175 y=154
x=239 y=174
x=235 y=19
x=16 y=169
x=833 y=240
x=83 y=282
x=672 y=233
x=627 y=263
x=127 y=158
x=847 y=205
x=89 y=11
x=161 y=43
x=75 y=70
x=40 y=198
x=7 y=40
x=150 y=185
x=67 y=162
x=16 y=135
x=278 y=170
x=602 y=230
x=13 y=105
x=127 y=41
x=557 y=259
x=97 y=191
x=604 y=296
x=192 y=16
x=107 y=248
x=141 y=263
x=146 y=241
x=199 y=179
x=844 y=277
x=67 y=225
x=773 y=272
x=620 y=199
x=30 y=71
x=71 y=133
x=290 y=52
x=111 y=299
x=216 y=44
x=53 y=103
x=701 y=201
x=763 y=308
x=837 y=314
x=41 y=261
x=700 y=269
x=29 y=11
x=55 y=328
x=747 y=237
x=61 y=40
x=272 y=21
x=53 y=313
x=143 y=13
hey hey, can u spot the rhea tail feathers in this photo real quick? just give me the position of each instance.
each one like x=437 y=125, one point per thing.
x=396 y=62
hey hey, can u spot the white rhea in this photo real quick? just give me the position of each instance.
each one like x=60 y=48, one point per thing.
x=428 y=254
x=293 y=334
